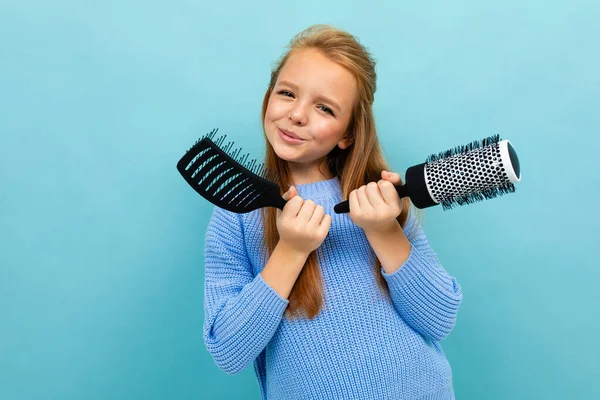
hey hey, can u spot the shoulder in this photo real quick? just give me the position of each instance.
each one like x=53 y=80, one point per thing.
x=224 y=226
x=221 y=216
x=227 y=223
x=238 y=221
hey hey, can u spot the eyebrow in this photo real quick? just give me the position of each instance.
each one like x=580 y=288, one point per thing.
x=320 y=97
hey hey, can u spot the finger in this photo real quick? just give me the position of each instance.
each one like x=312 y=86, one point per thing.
x=293 y=207
x=374 y=195
x=325 y=225
x=353 y=202
x=391 y=176
x=388 y=192
x=363 y=200
x=287 y=196
x=290 y=193
x=317 y=216
x=307 y=210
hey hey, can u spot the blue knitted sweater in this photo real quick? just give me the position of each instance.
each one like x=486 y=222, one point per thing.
x=362 y=345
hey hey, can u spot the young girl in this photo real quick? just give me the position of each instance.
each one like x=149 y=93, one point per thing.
x=326 y=305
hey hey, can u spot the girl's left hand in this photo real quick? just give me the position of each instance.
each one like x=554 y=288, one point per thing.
x=375 y=206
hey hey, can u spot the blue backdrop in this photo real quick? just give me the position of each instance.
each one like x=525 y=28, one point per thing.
x=101 y=246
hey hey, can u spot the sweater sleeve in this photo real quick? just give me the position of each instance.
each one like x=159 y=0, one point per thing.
x=423 y=293
x=241 y=311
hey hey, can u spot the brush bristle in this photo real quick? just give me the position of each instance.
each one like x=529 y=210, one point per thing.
x=471 y=198
x=251 y=165
x=461 y=149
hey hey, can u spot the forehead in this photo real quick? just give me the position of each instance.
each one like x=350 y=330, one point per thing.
x=314 y=72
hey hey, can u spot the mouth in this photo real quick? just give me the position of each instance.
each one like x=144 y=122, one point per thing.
x=289 y=136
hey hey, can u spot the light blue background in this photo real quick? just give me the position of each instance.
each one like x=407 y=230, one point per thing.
x=101 y=246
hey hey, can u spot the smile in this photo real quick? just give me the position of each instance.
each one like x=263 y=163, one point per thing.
x=289 y=139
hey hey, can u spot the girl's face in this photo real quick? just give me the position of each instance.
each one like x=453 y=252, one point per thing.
x=312 y=101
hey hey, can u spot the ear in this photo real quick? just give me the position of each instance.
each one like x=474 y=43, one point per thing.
x=345 y=142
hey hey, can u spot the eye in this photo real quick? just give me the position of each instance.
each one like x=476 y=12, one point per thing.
x=326 y=109
x=285 y=93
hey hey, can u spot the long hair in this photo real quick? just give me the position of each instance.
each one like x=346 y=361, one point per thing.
x=355 y=166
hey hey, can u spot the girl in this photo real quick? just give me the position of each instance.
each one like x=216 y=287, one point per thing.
x=326 y=305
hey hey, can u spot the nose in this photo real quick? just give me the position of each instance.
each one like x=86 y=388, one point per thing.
x=298 y=115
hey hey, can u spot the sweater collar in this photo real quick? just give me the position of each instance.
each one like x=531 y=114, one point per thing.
x=317 y=189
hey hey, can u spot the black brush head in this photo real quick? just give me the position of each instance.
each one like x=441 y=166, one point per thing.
x=220 y=176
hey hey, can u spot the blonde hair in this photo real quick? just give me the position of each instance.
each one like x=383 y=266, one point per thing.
x=357 y=165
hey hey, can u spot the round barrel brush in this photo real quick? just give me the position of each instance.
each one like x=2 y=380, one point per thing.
x=463 y=175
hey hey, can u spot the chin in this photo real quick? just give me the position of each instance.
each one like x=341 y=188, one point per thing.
x=283 y=154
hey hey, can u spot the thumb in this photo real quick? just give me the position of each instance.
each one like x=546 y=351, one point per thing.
x=290 y=193
x=391 y=176
x=286 y=196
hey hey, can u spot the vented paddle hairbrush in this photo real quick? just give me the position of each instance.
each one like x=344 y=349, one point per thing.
x=466 y=174
x=228 y=181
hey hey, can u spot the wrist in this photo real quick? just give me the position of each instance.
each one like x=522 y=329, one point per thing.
x=292 y=251
x=384 y=229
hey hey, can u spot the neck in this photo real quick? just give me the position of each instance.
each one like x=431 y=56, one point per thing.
x=302 y=174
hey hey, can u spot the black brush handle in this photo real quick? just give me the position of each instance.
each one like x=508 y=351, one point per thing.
x=274 y=199
x=344 y=206
x=415 y=188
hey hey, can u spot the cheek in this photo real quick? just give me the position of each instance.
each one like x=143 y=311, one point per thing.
x=275 y=109
x=268 y=113
x=329 y=130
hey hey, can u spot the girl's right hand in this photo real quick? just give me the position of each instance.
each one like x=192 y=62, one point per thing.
x=302 y=225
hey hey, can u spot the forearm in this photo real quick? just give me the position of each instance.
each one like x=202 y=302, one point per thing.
x=423 y=292
x=283 y=268
x=390 y=245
